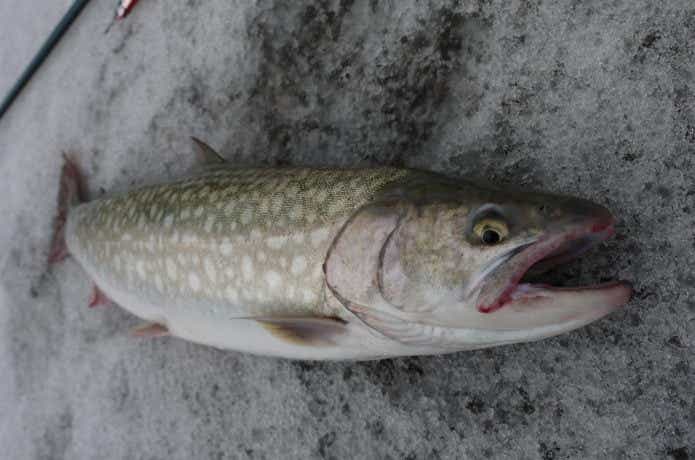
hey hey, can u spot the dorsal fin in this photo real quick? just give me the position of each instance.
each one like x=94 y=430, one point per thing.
x=207 y=154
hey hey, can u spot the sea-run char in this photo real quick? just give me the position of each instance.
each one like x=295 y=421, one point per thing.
x=315 y=263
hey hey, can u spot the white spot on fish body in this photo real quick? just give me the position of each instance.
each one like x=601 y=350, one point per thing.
x=247 y=267
x=298 y=265
x=199 y=211
x=276 y=242
x=336 y=207
x=309 y=296
x=296 y=212
x=262 y=296
x=149 y=244
x=168 y=221
x=209 y=222
x=246 y=216
x=189 y=238
x=226 y=247
x=158 y=282
x=231 y=294
x=171 y=268
x=318 y=236
x=264 y=207
x=229 y=209
x=210 y=269
x=194 y=281
x=317 y=273
x=291 y=190
x=277 y=204
x=140 y=268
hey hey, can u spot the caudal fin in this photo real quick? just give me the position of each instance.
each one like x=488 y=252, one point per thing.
x=69 y=195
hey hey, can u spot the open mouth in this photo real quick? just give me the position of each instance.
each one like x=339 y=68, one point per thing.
x=547 y=253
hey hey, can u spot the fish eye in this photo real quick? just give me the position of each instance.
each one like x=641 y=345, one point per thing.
x=491 y=231
x=490 y=236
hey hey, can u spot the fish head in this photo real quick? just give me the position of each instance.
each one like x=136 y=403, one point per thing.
x=449 y=272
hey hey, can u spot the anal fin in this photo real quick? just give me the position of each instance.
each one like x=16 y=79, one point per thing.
x=308 y=331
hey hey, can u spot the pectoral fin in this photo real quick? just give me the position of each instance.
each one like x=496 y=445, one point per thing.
x=309 y=331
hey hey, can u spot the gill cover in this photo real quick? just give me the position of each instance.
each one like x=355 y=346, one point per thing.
x=362 y=269
x=354 y=257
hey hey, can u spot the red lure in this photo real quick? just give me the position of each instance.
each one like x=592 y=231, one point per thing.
x=124 y=8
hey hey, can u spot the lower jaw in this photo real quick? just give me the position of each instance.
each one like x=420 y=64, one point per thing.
x=532 y=306
x=529 y=289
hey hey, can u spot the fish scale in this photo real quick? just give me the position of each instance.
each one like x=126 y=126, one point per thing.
x=232 y=242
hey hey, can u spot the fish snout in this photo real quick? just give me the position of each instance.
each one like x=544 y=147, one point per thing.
x=579 y=213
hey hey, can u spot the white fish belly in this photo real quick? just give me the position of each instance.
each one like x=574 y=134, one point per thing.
x=228 y=332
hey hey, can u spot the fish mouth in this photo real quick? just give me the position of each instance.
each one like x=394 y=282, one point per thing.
x=543 y=304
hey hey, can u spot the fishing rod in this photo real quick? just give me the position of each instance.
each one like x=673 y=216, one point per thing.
x=43 y=53
x=125 y=6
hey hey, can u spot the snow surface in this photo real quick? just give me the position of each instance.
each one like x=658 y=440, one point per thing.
x=591 y=98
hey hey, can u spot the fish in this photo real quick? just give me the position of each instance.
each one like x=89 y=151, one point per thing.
x=335 y=263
